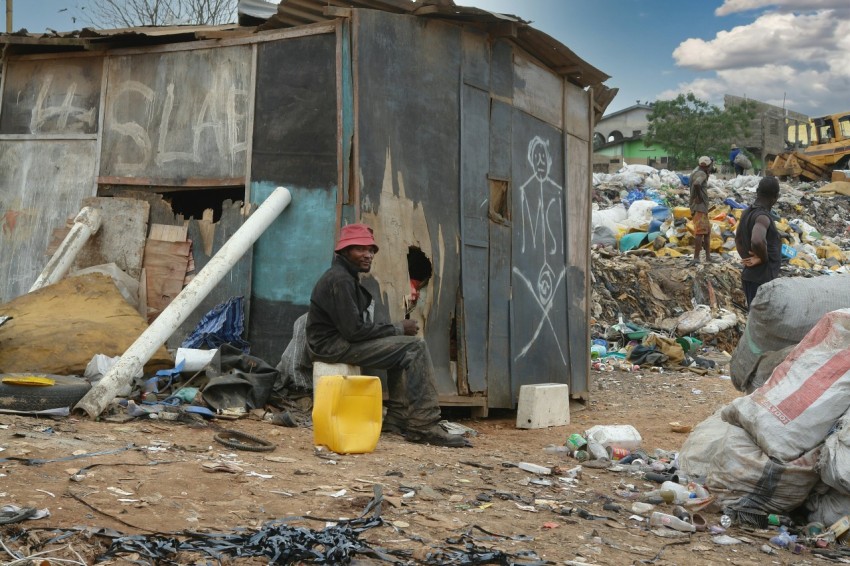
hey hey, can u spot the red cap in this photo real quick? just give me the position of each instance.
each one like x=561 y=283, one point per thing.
x=355 y=235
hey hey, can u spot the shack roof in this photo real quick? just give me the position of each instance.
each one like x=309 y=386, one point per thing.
x=292 y=13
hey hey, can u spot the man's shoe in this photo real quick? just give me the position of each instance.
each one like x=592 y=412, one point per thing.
x=390 y=426
x=436 y=436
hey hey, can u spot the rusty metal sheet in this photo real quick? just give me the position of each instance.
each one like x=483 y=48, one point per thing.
x=177 y=114
x=539 y=299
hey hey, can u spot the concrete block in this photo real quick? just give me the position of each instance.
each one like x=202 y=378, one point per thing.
x=542 y=405
x=321 y=369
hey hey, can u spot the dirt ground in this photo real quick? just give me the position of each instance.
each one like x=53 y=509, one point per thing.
x=167 y=483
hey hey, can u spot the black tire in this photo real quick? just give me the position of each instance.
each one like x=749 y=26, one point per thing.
x=64 y=393
x=242 y=441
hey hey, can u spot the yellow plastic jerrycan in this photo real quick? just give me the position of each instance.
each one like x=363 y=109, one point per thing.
x=347 y=413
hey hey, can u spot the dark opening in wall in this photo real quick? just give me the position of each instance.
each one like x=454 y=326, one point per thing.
x=419 y=266
x=419 y=269
x=191 y=204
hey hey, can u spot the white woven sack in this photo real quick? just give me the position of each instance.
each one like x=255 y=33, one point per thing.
x=741 y=475
x=805 y=395
x=834 y=464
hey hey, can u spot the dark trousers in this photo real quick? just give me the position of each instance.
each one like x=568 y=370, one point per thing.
x=738 y=170
x=412 y=391
x=750 y=290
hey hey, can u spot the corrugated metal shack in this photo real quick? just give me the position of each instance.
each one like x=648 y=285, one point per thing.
x=463 y=137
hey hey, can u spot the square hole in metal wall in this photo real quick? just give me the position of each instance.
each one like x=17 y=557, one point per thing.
x=500 y=207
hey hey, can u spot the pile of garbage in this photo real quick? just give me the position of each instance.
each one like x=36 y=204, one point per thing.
x=721 y=484
x=645 y=210
x=642 y=241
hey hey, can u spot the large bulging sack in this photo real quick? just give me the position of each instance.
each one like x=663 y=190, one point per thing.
x=742 y=476
x=784 y=310
x=704 y=442
x=805 y=395
x=743 y=162
x=826 y=505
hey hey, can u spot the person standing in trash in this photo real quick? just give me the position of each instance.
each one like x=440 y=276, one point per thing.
x=757 y=240
x=699 y=209
x=341 y=329
x=739 y=170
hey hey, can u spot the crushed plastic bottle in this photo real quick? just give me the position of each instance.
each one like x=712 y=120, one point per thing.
x=556 y=449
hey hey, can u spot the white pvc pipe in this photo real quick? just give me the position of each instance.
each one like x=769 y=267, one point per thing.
x=86 y=223
x=134 y=359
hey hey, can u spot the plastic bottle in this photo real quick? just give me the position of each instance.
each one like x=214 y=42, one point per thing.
x=623 y=436
x=783 y=539
x=555 y=449
x=682 y=492
x=664 y=520
x=596 y=451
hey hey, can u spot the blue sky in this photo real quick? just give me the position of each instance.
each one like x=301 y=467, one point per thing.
x=791 y=52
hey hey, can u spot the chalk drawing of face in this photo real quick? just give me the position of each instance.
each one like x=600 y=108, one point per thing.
x=541 y=201
x=538 y=156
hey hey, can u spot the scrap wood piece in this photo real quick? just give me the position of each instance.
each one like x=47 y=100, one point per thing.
x=165 y=265
x=168 y=233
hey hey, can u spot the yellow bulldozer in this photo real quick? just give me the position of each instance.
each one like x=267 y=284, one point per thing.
x=828 y=149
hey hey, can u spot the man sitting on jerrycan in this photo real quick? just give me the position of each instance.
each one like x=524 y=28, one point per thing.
x=341 y=329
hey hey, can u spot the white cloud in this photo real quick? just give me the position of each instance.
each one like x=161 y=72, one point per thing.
x=803 y=58
x=735 y=6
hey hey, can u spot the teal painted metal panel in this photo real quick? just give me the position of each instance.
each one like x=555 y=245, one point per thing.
x=297 y=248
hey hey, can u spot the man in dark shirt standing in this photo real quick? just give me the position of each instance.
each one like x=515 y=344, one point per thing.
x=757 y=240
x=341 y=329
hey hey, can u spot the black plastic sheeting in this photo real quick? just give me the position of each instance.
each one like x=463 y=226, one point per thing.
x=275 y=540
x=283 y=544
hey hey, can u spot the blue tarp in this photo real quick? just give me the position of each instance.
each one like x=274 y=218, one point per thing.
x=224 y=324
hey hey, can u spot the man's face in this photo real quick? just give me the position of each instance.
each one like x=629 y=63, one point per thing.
x=360 y=257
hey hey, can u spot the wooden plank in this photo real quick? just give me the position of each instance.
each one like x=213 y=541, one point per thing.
x=538 y=91
x=143 y=295
x=462 y=401
x=168 y=233
x=165 y=267
x=42 y=90
x=187 y=183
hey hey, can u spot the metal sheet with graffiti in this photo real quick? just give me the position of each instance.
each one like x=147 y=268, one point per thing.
x=539 y=314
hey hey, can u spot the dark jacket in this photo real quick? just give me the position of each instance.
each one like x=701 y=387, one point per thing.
x=341 y=312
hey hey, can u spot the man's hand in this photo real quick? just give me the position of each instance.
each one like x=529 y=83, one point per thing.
x=411 y=327
x=751 y=261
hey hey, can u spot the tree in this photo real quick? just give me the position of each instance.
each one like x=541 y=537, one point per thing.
x=133 y=13
x=688 y=127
